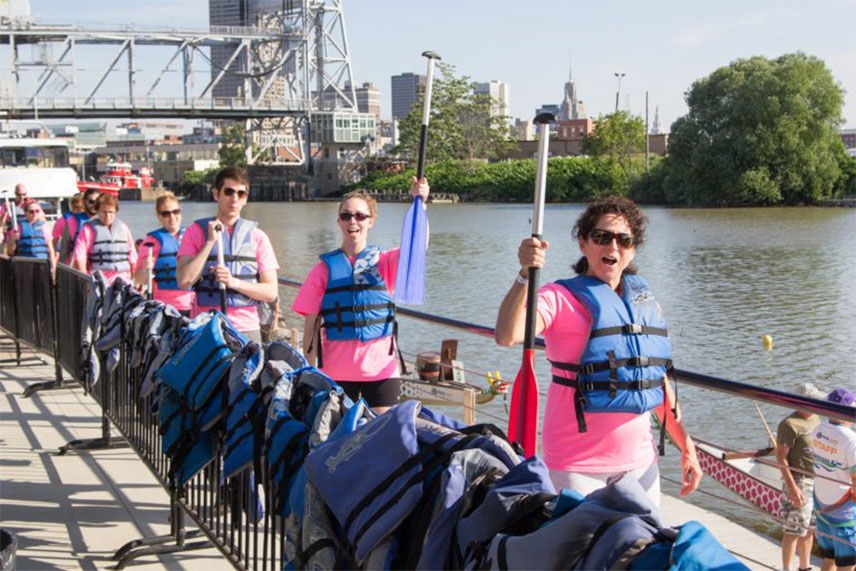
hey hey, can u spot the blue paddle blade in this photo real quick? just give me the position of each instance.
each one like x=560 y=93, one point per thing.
x=410 y=282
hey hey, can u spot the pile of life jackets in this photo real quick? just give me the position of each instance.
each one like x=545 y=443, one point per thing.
x=408 y=489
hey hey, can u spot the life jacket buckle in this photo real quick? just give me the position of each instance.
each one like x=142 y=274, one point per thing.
x=642 y=361
x=633 y=329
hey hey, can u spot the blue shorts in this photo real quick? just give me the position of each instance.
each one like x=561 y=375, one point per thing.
x=841 y=548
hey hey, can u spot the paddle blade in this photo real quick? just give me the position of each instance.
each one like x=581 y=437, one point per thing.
x=523 y=414
x=410 y=282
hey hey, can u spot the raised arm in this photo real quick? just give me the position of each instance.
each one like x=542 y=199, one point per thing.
x=511 y=319
x=188 y=269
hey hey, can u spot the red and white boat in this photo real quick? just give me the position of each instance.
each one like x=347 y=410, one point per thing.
x=751 y=474
x=118 y=177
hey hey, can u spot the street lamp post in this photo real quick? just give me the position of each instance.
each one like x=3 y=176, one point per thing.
x=619 y=76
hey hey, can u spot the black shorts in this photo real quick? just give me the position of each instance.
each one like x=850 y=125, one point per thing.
x=375 y=393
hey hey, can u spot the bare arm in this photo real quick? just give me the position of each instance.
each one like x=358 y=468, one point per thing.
x=310 y=331
x=794 y=493
x=511 y=319
x=690 y=468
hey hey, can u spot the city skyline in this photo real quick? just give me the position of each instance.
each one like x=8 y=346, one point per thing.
x=662 y=47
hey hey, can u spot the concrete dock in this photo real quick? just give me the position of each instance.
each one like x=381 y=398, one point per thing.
x=75 y=511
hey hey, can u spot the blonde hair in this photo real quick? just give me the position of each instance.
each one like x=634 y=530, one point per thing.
x=362 y=195
x=75 y=203
x=162 y=199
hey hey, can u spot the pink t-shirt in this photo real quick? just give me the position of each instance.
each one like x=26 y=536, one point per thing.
x=243 y=318
x=177 y=298
x=57 y=229
x=614 y=442
x=83 y=246
x=352 y=359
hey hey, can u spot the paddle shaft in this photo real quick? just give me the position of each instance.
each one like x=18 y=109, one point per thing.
x=12 y=212
x=150 y=285
x=426 y=114
x=221 y=261
x=766 y=426
x=537 y=230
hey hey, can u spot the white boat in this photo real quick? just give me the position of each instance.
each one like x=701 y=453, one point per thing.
x=42 y=166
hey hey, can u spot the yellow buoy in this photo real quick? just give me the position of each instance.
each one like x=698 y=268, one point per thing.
x=767 y=342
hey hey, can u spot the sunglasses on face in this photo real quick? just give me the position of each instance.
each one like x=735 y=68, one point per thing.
x=358 y=216
x=242 y=194
x=605 y=237
x=91 y=202
x=174 y=212
x=32 y=211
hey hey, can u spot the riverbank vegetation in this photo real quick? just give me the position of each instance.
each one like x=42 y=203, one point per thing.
x=758 y=132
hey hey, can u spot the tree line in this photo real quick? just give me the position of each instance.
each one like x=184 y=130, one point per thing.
x=758 y=132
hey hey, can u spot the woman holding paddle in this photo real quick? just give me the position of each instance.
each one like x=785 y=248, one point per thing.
x=609 y=350
x=346 y=301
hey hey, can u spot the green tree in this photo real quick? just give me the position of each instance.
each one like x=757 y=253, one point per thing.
x=233 y=145
x=616 y=138
x=461 y=125
x=758 y=131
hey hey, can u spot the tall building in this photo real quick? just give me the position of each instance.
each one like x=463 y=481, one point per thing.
x=405 y=92
x=498 y=92
x=656 y=128
x=368 y=100
x=233 y=13
x=572 y=105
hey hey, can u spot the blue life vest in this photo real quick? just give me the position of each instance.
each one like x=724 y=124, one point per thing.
x=31 y=243
x=239 y=256
x=386 y=466
x=193 y=391
x=356 y=303
x=66 y=240
x=254 y=374
x=624 y=363
x=109 y=247
x=164 y=270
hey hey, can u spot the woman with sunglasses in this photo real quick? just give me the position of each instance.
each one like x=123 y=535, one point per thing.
x=609 y=351
x=105 y=243
x=33 y=239
x=349 y=318
x=163 y=244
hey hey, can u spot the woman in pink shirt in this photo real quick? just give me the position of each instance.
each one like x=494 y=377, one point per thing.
x=346 y=301
x=105 y=243
x=163 y=244
x=609 y=350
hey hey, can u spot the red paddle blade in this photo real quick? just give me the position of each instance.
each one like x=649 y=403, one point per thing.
x=523 y=414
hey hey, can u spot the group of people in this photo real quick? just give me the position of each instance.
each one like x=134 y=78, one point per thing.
x=606 y=338
x=817 y=460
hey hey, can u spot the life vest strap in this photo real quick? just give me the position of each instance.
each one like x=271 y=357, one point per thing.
x=605 y=385
x=356 y=308
x=355 y=287
x=358 y=323
x=629 y=329
x=230 y=258
x=591 y=368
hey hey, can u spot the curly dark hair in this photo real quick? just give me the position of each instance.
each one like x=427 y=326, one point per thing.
x=619 y=206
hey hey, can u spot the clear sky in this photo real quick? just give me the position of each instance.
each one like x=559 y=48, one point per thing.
x=661 y=46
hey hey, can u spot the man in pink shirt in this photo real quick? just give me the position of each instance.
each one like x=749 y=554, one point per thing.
x=251 y=267
x=105 y=243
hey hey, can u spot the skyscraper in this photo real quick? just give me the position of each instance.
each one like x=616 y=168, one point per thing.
x=572 y=106
x=498 y=92
x=368 y=100
x=405 y=92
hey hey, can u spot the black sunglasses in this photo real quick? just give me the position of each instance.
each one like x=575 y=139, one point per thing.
x=165 y=213
x=605 y=237
x=242 y=194
x=359 y=216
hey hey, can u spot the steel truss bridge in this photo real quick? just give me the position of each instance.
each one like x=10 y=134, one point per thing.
x=291 y=63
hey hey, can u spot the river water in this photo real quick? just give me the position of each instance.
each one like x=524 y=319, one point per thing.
x=724 y=278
